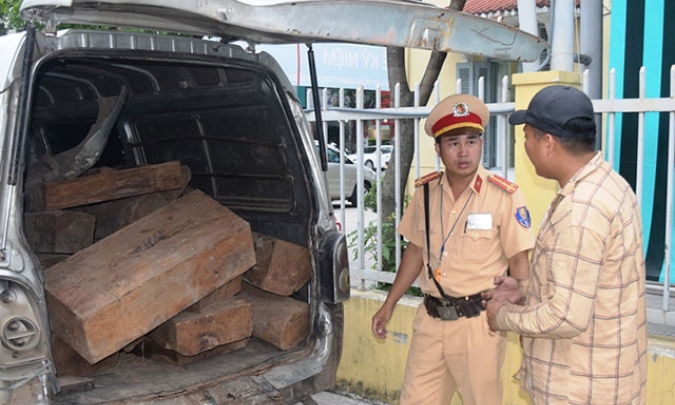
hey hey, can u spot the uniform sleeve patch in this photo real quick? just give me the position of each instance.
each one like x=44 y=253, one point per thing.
x=523 y=217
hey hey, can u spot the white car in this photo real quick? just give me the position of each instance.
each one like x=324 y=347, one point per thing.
x=370 y=156
x=350 y=183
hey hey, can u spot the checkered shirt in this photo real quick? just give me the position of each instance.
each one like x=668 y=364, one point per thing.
x=584 y=323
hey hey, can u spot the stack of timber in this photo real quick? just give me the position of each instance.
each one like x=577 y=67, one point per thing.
x=136 y=261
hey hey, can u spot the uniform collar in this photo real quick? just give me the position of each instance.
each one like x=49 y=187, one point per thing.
x=479 y=179
x=477 y=184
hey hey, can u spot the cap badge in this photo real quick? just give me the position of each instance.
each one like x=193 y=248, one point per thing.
x=460 y=110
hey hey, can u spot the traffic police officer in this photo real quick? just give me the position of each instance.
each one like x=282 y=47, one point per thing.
x=479 y=228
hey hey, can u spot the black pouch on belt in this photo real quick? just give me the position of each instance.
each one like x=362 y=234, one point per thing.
x=471 y=306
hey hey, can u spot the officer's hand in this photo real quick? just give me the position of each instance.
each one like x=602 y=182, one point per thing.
x=507 y=290
x=491 y=310
x=380 y=320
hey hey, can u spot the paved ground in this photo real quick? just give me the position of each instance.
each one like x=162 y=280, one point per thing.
x=329 y=398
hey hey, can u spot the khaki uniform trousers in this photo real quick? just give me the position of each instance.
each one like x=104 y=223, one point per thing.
x=448 y=356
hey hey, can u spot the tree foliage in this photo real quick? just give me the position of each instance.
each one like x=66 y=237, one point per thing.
x=10 y=20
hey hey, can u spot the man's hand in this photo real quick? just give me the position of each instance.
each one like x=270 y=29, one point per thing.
x=508 y=290
x=492 y=309
x=380 y=319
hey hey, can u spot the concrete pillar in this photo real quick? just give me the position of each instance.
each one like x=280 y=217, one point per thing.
x=538 y=191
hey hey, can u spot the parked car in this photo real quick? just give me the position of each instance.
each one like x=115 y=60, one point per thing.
x=350 y=176
x=370 y=156
x=83 y=104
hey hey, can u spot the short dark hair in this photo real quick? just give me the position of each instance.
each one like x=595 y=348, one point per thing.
x=575 y=146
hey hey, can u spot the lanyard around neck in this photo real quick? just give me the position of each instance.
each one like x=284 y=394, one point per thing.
x=440 y=255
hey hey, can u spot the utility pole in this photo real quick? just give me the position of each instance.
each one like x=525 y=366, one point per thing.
x=562 y=41
x=527 y=21
x=591 y=46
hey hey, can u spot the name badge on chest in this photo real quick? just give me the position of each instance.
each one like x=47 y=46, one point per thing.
x=479 y=222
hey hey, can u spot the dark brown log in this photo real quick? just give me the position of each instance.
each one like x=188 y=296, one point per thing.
x=111 y=216
x=59 y=231
x=47 y=260
x=69 y=363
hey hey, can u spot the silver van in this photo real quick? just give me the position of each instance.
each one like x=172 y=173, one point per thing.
x=78 y=102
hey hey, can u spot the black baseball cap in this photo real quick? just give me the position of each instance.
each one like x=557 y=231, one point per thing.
x=553 y=107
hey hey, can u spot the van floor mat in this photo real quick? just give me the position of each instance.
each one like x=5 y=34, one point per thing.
x=137 y=378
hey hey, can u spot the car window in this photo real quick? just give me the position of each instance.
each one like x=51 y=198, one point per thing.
x=333 y=156
x=369 y=149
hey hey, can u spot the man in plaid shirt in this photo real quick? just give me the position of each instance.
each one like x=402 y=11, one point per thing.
x=583 y=316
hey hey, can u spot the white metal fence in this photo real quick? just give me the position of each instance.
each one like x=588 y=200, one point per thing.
x=369 y=268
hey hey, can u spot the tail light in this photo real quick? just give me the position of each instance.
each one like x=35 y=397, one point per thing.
x=334 y=271
x=20 y=330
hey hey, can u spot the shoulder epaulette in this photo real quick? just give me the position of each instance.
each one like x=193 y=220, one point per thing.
x=427 y=178
x=503 y=183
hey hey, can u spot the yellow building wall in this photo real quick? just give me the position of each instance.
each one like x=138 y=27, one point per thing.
x=373 y=369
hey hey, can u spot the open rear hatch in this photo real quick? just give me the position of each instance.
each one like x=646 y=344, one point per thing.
x=398 y=23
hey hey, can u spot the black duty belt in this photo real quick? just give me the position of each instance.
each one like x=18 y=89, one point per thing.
x=453 y=308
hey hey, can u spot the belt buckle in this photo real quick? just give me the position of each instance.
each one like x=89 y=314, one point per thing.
x=447 y=313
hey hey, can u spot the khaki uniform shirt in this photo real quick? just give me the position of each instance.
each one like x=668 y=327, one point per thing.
x=584 y=325
x=485 y=227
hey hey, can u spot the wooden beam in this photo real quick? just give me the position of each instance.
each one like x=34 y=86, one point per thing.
x=191 y=333
x=281 y=267
x=105 y=185
x=281 y=321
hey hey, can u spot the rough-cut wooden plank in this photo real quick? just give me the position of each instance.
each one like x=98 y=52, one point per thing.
x=106 y=296
x=59 y=231
x=281 y=267
x=191 y=333
x=281 y=321
x=106 y=185
x=152 y=350
x=47 y=260
x=69 y=363
x=223 y=293
x=111 y=216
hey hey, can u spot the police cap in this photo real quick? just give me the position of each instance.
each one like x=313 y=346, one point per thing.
x=457 y=111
